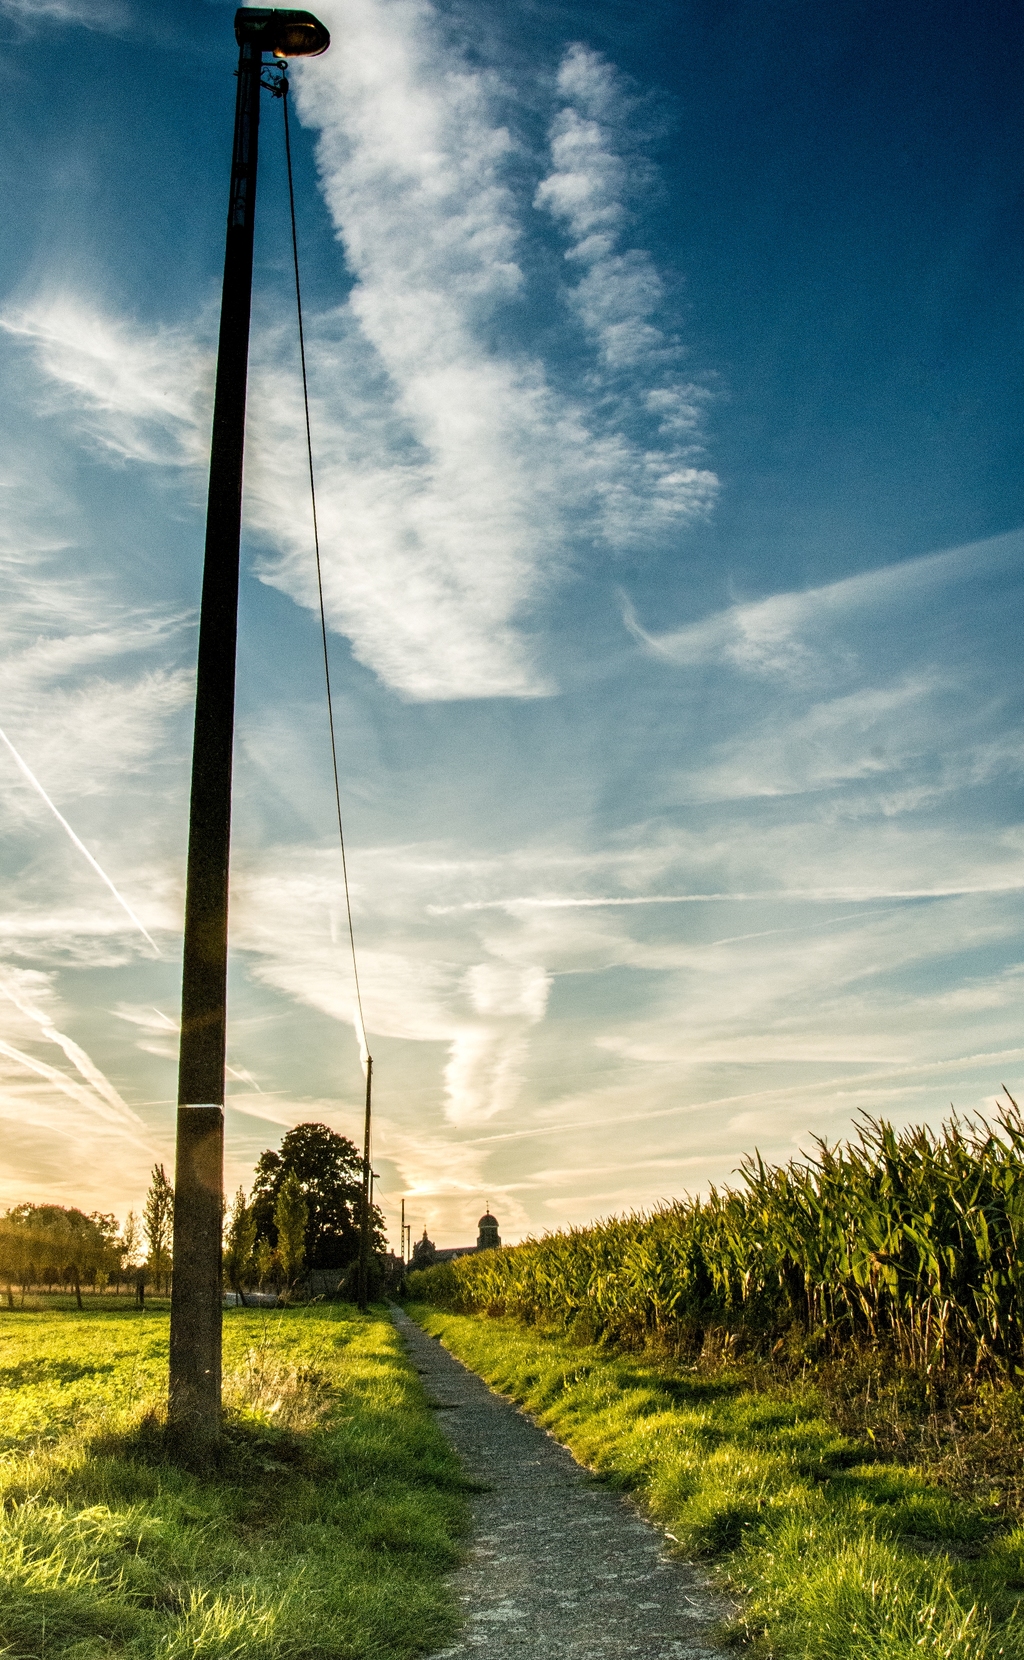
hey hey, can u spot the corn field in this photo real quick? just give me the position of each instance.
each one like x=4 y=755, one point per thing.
x=906 y=1239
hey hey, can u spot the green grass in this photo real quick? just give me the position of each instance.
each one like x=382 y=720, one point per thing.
x=834 y=1557
x=324 y=1528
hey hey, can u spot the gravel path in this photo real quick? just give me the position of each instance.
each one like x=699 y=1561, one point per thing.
x=560 y=1568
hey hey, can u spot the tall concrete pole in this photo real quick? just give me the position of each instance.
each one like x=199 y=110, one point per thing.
x=195 y=1379
x=194 y=1406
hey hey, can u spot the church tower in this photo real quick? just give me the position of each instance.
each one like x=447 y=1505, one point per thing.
x=487 y=1239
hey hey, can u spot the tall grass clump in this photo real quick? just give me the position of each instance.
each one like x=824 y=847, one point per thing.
x=909 y=1240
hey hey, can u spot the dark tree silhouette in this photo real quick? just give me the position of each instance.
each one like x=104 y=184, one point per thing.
x=329 y=1172
x=158 y=1223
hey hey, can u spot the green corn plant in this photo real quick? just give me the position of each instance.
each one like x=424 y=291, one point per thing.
x=911 y=1239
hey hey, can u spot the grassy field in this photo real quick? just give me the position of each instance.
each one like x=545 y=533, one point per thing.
x=325 y=1528
x=838 y=1556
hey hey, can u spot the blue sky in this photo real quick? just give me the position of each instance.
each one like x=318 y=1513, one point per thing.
x=666 y=378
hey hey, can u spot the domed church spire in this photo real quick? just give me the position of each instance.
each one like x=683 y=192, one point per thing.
x=487 y=1239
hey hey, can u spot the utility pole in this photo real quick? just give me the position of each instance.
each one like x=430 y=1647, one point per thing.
x=401 y=1234
x=194 y=1405
x=364 y=1221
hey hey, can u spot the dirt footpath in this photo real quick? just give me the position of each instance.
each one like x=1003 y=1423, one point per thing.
x=560 y=1568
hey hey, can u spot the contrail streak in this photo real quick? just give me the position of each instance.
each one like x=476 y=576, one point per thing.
x=830 y=896
x=33 y=780
x=78 y=1057
x=70 y=1086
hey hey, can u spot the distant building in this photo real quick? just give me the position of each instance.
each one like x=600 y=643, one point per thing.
x=487 y=1239
x=425 y=1252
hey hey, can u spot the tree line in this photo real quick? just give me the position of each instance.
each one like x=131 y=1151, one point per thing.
x=59 y=1246
x=303 y=1214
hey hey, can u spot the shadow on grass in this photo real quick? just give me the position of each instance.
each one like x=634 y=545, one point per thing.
x=48 y=1369
x=248 y=1451
x=693 y=1391
x=51 y=1618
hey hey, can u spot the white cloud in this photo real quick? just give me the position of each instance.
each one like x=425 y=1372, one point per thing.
x=27 y=991
x=505 y=989
x=141 y=393
x=89 y=735
x=484 y=479
x=425 y=989
x=456 y=484
x=797 y=635
x=77 y=702
x=485 y=1071
x=92 y=743
x=442 y=541
x=619 y=290
x=873 y=734
x=810 y=988
x=158 y=1032
x=878 y=706
x=433 y=561
x=619 y=295
x=91 y=695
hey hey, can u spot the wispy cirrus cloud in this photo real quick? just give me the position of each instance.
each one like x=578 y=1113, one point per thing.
x=476 y=982
x=87 y=720
x=618 y=291
x=141 y=393
x=761 y=1029
x=476 y=1005
x=805 y=634
x=878 y=705
x=61 y=1114
x=103 y=729
x=444 y=541
x=458 y=483
x=91 y=693
x=29 y=992
x=499 y=478
x=105 y=16
x=75 y=839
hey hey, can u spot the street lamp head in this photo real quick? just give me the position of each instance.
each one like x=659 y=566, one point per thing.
x=285 y=34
